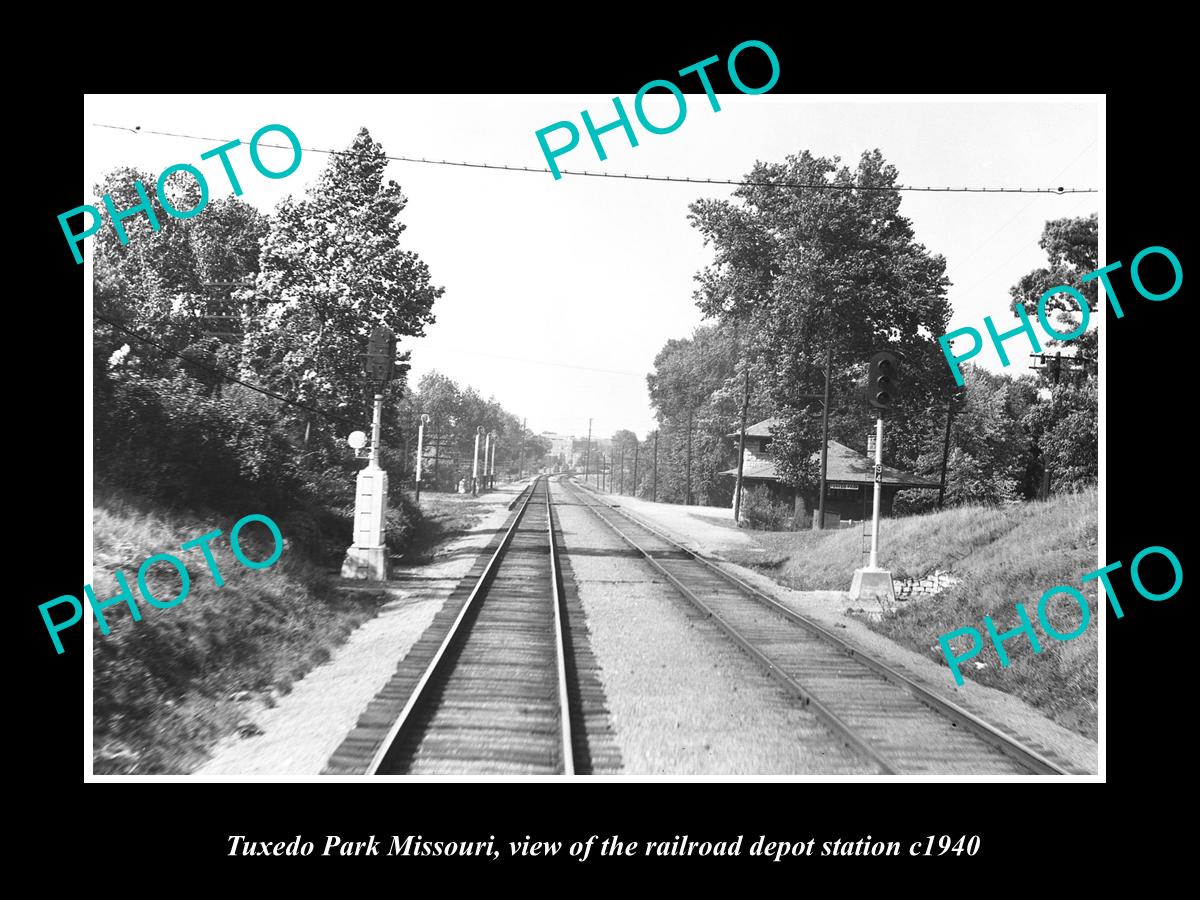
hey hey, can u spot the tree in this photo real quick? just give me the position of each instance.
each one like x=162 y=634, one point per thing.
x=1063 y=427
x=1072 y=249
x=456 y=413
x=333 y=268
x=990 y=456
x=805 y=270
x=1064 y=435
x=213 y=443
x=696 y=392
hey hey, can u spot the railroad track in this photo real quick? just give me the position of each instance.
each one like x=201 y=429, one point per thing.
x=494 y=697
x=901 y=726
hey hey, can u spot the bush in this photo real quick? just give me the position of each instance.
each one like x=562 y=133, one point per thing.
x=403 y=519
x=914 y=503
x=162 y=687
x=761 y=513
x=171 y=439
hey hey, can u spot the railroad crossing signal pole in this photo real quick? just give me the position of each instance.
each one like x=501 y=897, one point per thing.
x=877 y=502
x=487 y=453
x=475 y=463
x=882 y=390
x=420 y=452
x=367 y=556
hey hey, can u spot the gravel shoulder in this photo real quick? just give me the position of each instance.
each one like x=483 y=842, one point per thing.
x=710 y=526
x=684 y=699
x=829 y=608
x=303 y=729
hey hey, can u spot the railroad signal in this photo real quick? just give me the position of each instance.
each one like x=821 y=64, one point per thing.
x=883 y=380
x=381 y=355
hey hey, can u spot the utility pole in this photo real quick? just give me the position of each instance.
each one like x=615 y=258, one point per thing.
x=819 y=521
x=737 y=490
x=946 y=453
x=636 y=448
x=587 y=454
x=521 y=456
x=621 y=478
x=687 y=499
x=654 y=480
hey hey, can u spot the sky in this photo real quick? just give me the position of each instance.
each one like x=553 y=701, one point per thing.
x=559 y=293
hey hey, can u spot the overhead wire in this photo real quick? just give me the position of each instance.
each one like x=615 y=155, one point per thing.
x=682 y=179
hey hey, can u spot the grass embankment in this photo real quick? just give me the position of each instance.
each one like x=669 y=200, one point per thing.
x=165 y=689
x=1003 y=555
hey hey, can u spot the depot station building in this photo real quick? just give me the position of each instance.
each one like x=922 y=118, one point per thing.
x=850 y=479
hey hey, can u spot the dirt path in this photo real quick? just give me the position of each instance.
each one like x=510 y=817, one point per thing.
x=301 y=732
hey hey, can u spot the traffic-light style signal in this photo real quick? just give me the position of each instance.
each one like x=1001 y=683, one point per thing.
x=381 y=354
x=883 y=381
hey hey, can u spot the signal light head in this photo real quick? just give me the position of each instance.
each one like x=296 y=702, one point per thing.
x=883 y=380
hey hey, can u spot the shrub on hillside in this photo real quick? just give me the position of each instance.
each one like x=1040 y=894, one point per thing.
x=761 y=513
x=914 y=503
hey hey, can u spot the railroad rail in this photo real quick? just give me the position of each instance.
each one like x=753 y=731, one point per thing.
x=494 y=698
x=900 y=725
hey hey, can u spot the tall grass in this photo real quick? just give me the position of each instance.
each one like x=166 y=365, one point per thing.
x=163 y=687
x=1003 y=555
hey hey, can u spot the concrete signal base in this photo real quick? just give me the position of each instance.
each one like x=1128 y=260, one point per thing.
x=370 y=563
x=873 y=584
x=367 y=557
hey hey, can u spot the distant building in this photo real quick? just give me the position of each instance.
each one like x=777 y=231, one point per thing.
x=560 y=444
x=850 y=479
x=578 y=452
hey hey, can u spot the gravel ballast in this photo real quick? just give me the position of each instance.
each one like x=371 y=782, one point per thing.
x=684 y=699
x=829 y=609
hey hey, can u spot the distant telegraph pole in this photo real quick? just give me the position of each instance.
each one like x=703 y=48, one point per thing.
x=654 y=480
x=954 y=399
x=945 y=454
x=688 y=490
x=737 y=491
x=521 y=455
x=587 y=454
x=636 y=448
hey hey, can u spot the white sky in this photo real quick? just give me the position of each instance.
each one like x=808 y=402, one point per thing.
x=560 y=293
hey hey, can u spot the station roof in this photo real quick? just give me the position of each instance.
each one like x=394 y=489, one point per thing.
x=759 y=429
x=844 y=464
